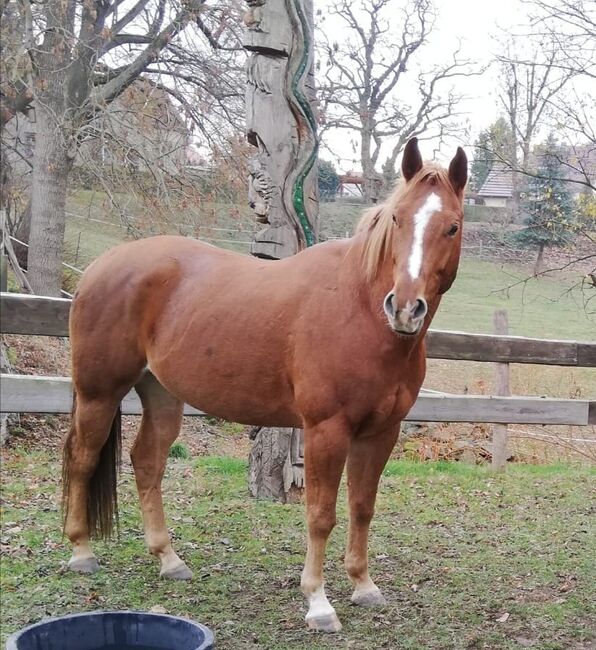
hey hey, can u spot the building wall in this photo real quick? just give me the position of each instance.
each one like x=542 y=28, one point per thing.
x=495 y=201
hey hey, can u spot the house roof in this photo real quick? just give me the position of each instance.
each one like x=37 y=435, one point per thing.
x=498 y=183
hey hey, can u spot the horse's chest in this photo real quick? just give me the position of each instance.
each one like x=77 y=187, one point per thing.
x=392 y=408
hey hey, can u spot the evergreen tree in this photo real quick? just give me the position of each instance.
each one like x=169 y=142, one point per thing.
x=483 y=160
x=493 y=143
x=328 y=180
x=548 y=206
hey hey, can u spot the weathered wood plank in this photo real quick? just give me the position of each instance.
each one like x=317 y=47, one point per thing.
x=491 y=409
x=507 y=349
x=26 y=314
x=33 y=394
x=592 y=413
x=586 y=355
x=499 y=455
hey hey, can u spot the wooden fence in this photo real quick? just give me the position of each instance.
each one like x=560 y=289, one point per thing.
x=36 y=315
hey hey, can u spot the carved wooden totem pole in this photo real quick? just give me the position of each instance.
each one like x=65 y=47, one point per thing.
x=281 y=126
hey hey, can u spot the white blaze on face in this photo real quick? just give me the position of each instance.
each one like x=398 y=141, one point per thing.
x=421 y=219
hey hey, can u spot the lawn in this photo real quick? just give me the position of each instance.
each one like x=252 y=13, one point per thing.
x=542 y=308
x=466 y=558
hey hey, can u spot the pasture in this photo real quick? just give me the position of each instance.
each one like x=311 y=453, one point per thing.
x=466 y=559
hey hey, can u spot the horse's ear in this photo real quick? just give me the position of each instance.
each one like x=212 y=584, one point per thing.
x=411 y=163
x=458 y=170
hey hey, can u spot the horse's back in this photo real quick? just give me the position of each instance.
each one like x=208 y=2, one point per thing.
x=120 y=294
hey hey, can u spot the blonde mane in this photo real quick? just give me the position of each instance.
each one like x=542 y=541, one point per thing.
x=377 y=222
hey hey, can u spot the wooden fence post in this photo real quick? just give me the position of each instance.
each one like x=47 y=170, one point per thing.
x=283 y=187
x=3 y=258
x=3 y=271
x=499 y=456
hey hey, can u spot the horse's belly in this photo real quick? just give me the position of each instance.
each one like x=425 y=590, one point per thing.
x=229 y=391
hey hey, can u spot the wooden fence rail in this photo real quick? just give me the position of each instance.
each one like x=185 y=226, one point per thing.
x=34 y=394
x=26 y=314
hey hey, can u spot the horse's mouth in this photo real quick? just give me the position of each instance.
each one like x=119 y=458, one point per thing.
x=406 y=333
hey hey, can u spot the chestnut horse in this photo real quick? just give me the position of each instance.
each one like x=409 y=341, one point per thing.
x=331 y=340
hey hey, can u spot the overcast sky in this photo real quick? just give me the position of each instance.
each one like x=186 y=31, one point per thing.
x=475 y=23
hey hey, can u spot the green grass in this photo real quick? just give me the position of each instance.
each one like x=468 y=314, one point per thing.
x=453 y=547
x=179 y=450
x=543 y=308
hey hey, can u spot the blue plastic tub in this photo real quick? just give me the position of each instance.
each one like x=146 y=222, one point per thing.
x=113 y=631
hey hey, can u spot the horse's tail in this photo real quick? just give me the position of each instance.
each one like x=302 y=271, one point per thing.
x=102 y=496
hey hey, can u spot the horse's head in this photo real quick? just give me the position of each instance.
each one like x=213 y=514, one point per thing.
x=419 y=231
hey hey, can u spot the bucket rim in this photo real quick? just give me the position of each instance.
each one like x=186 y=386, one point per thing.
x=11 y=642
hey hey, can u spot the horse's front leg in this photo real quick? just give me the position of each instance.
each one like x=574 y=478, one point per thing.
x=325 y=451
x=366 y=460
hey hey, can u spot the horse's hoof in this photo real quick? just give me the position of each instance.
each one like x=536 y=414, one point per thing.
x=83 y=564
x=178 y=572
x=327 y=623
x=369 y=598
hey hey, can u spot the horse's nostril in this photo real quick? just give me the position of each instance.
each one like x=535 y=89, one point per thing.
x=389 y=305
x=420 y=308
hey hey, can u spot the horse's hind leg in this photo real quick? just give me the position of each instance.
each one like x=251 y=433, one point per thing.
x=366 y=460
x=160 y=425
x=90 y=456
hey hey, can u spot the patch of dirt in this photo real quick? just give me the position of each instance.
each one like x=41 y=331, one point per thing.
x=38 y=355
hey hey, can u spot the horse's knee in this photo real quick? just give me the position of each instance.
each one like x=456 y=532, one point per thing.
x=361 y=513
x=321 y=520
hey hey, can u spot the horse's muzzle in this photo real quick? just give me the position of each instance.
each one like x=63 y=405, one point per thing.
x=406 y=320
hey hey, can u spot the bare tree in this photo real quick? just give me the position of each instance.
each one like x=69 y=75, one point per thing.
x=549 y=88
x=529 y=86
x=549 y=67
x=72 y=58
x=571 y=25
x=366 y=77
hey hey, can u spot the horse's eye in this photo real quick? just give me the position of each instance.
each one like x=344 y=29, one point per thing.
x=454 y=228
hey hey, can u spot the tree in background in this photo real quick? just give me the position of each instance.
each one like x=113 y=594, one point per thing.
x=364 y=77
x=548 y=205
x=70 y=59
x=571 y=26
x=328 y=180
x=493 y=143
x=548 y=85
x=530 y=85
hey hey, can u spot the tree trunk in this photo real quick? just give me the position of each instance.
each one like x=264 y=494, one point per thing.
x=51 y=166
x=538 y=263
x=369 y=187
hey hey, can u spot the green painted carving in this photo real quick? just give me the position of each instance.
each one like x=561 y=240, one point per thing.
x=306 y=110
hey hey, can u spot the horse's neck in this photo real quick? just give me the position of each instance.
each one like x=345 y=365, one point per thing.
x=376 y=288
